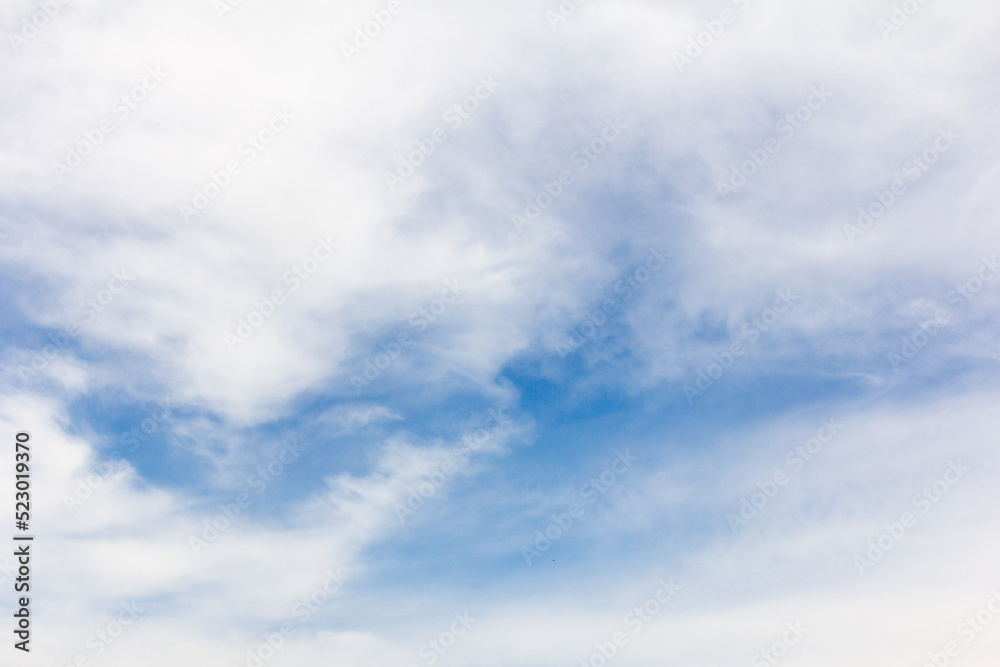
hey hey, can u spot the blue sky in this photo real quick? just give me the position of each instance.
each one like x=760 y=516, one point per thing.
x=257 y=374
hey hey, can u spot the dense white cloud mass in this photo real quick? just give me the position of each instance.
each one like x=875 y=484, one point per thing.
x=497 y=330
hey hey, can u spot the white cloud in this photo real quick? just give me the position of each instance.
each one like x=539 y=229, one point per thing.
x=322 y=177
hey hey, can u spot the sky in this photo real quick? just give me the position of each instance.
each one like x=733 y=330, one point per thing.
x=410 y=333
